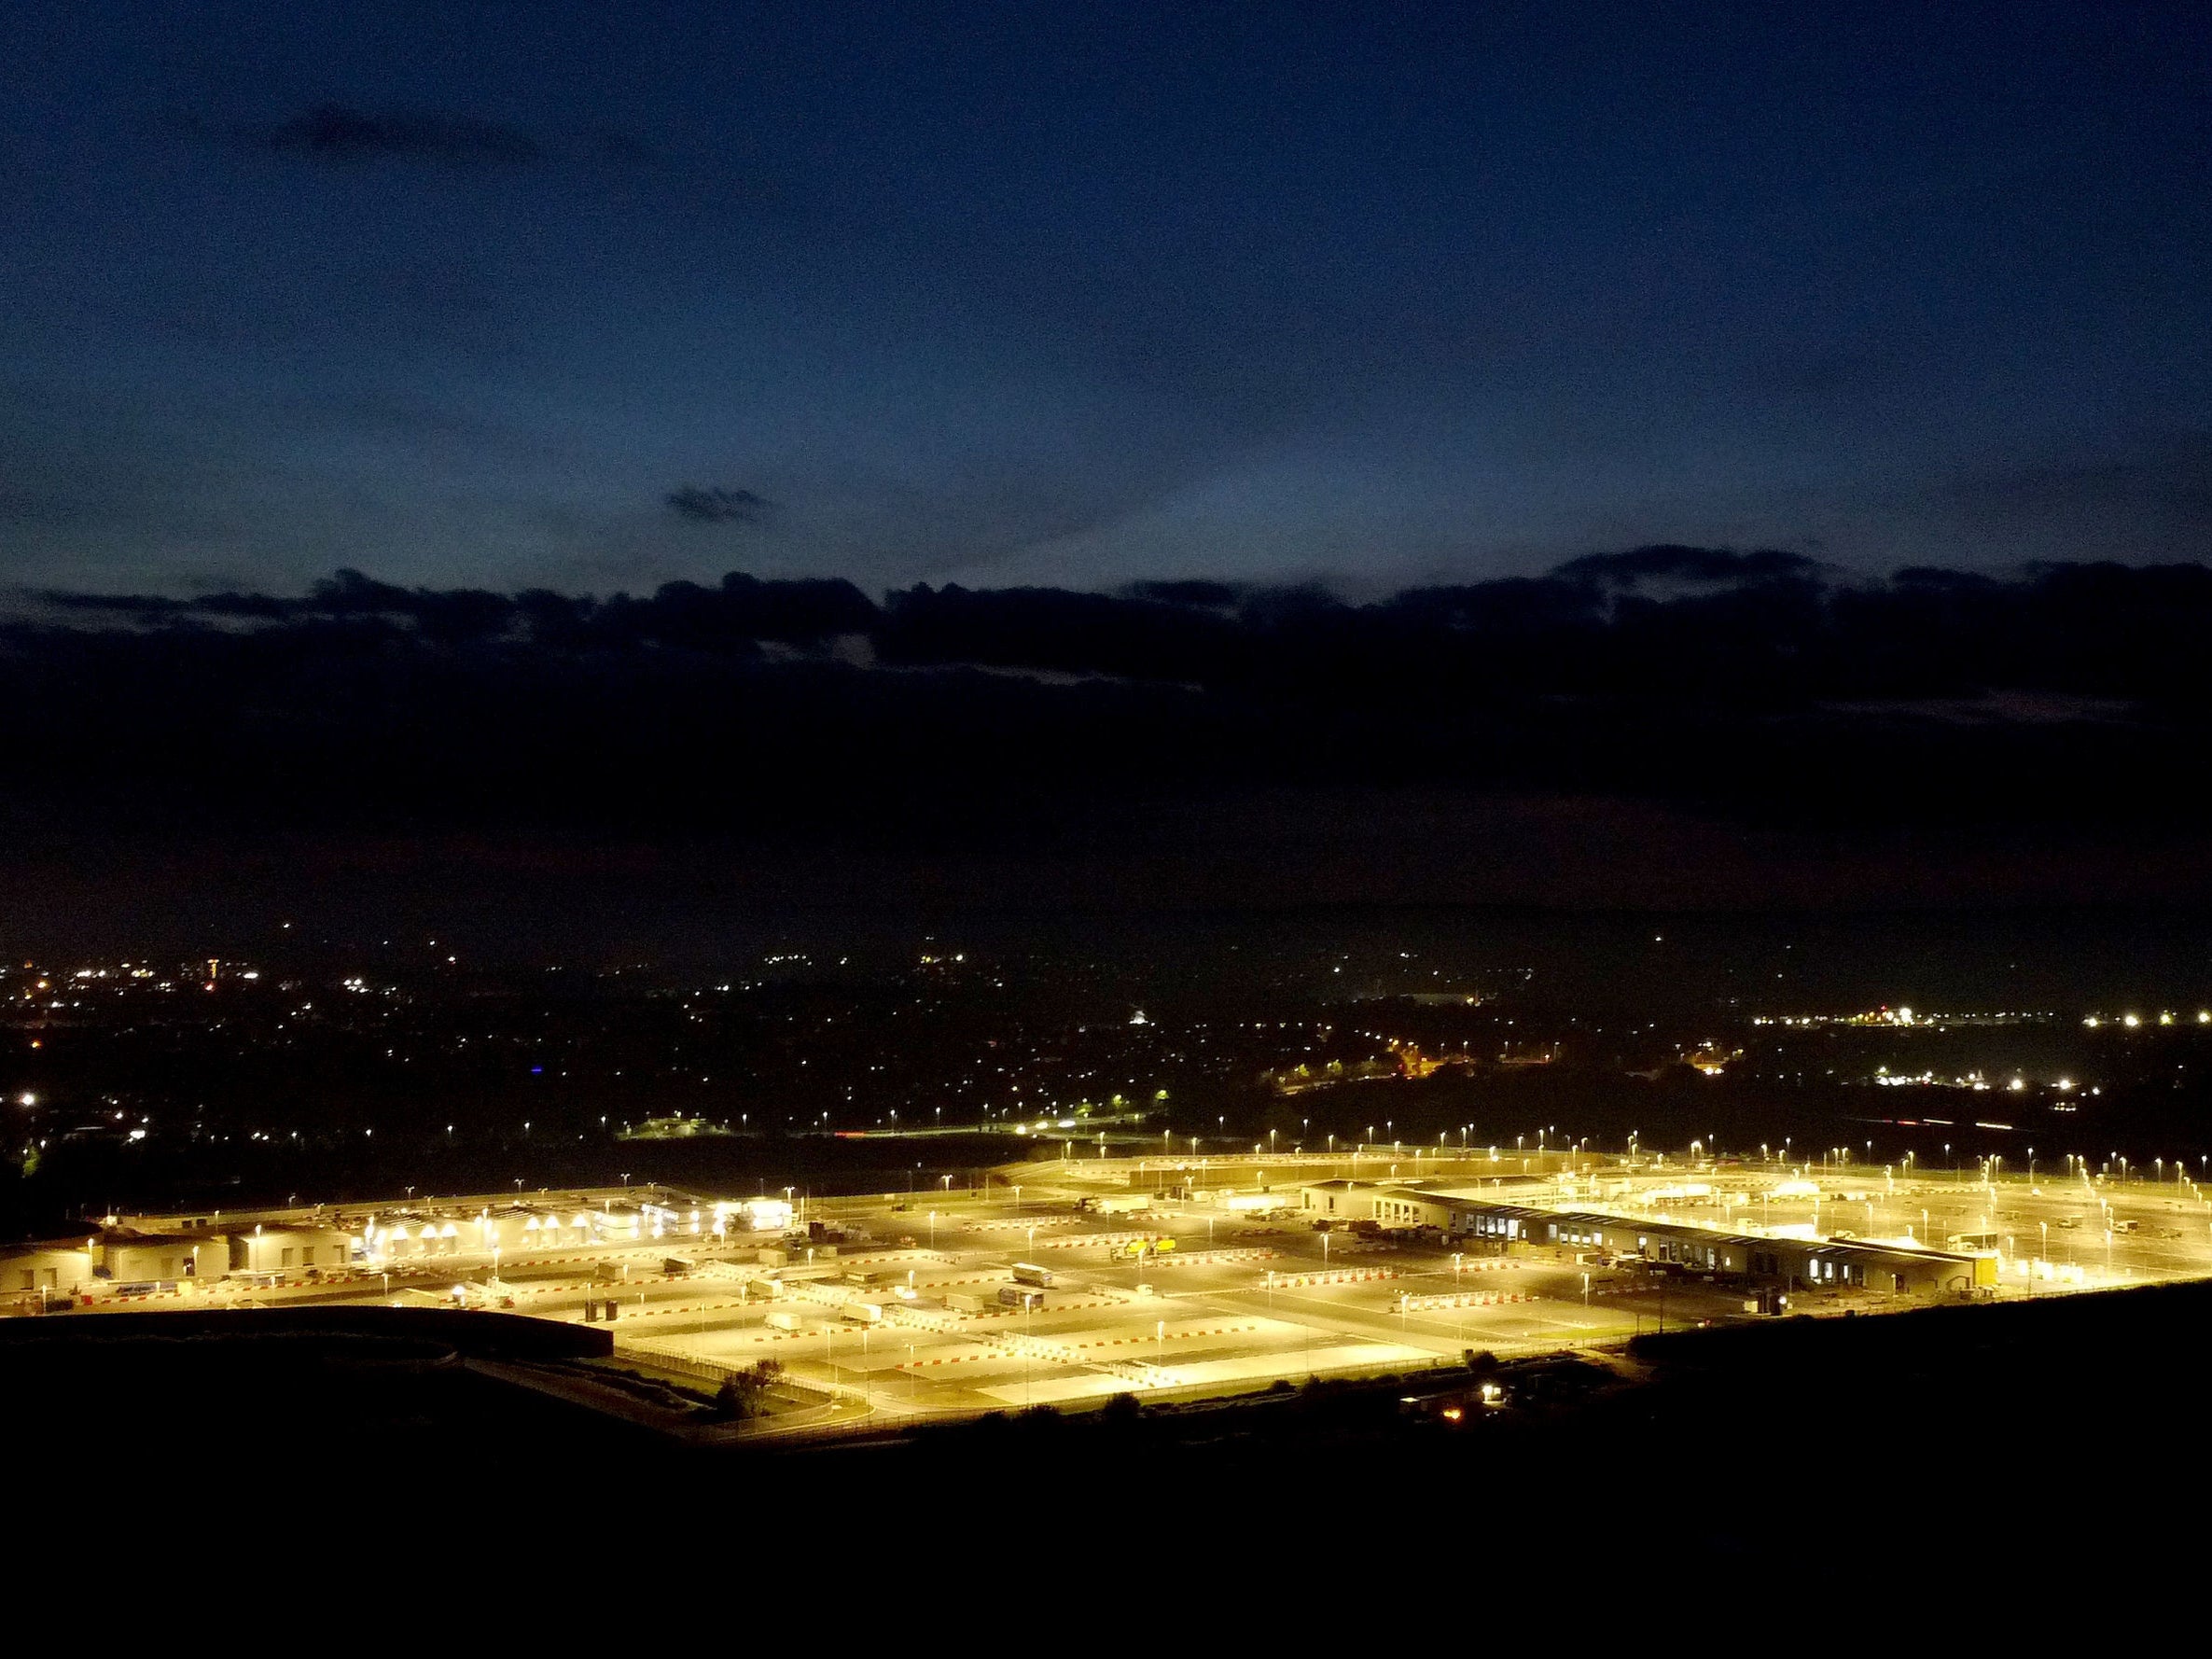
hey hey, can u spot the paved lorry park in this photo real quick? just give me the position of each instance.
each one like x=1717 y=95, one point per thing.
x=1154 y=1282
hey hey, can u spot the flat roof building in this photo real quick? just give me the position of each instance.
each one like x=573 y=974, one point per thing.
x=1756 y=1257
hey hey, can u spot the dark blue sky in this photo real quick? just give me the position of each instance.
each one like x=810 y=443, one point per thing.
x=464 y=291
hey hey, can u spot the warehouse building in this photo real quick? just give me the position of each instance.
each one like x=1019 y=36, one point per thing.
x=1338 y=1201
x=299 y=1244
x=36 y=1272
x=1482 y=1216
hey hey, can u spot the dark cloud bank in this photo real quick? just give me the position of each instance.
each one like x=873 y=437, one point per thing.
x=1654 y=724
x=340 y=135
x=716 y=506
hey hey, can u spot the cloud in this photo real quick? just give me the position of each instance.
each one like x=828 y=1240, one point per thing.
x=717 y=506
x=1699 y=567
x=1774 y=702
x=1198 y=593
x=338 y=134
x=2164 y=481
x=335 y=133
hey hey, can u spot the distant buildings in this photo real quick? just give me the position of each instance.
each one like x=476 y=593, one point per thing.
x=175 y=1255
x=1483 y=1216
x=149 y=1258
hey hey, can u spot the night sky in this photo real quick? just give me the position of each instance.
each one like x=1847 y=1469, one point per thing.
x=597 y=297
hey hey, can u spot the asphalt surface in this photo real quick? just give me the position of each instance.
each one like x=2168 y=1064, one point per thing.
x=1241 y=1301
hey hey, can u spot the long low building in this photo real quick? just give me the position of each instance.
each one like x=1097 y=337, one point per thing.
x=172 y=1253
x=1796 y=1262
x=115 y=1255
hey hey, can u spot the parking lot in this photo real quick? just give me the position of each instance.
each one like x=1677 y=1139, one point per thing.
x=902 y=1308
x=1262 y=1302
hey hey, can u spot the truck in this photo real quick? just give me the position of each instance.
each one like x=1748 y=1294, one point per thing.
x=1022 y=1296
x=960 y=1302
x=1121 y=1204
x=1141 y=1247
x=783 y=1321
x=862 y=1313
x=1029 y=1273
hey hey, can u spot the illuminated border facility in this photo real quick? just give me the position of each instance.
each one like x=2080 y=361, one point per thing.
x=1793 y=1262
x=171 y=1255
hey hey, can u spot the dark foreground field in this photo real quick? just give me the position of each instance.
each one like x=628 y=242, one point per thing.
x=2074 y=1424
